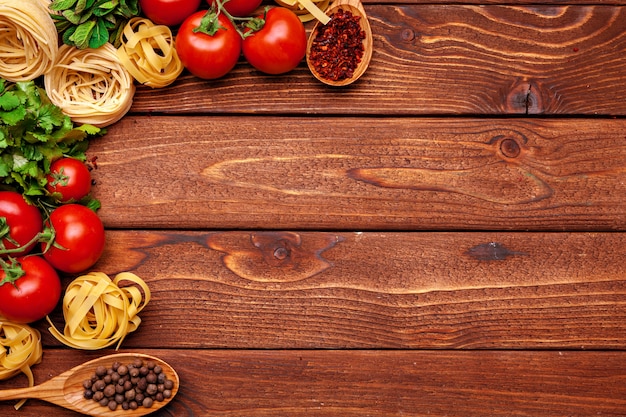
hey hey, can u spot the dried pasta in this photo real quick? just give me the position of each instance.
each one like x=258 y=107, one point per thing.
x=98 y=312
x=90 y=85
x=307 y=10
x=147 y=52
x=28 y=40
x=20 y=348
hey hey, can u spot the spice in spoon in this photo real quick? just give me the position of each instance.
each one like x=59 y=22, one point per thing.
x=138 y=384
x=337 y=47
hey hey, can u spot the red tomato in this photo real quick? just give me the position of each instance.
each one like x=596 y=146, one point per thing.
x=80 y=234
x=239 y=8
x=24 y=222
x=208 y=56
x=279 y=46
x=32 y=296
x=168 y=12
x=70 y=178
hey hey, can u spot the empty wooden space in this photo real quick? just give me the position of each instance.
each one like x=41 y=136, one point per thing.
x=445 y=237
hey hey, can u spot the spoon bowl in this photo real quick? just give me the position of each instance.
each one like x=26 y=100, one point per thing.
x=356 y=8
x=66 y=390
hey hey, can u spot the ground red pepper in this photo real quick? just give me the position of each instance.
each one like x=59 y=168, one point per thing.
x=337 y=47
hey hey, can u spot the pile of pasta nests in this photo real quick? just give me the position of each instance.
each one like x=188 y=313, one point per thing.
x=91 y=86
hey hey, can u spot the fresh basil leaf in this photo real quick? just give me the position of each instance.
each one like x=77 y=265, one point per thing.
x=80 y=6
x=105 y=8
x=59 y=5
x=82 y=35
x=99 y=36
x=72 y=17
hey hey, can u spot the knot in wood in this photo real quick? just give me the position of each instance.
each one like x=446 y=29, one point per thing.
x=525 y=97
x=408 y=35
x=281 y=253
x=510 y=148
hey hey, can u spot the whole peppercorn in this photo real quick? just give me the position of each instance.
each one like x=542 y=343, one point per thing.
x=130 y=394
x=109 y=390
x=122 y=370
x=101 y=371
x=151 y=378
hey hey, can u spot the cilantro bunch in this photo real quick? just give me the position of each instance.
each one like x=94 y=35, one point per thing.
x=33 y=133
x=92 y=23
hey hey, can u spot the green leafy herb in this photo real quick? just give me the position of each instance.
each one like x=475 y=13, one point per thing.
x=33 y=133
x=92 y=23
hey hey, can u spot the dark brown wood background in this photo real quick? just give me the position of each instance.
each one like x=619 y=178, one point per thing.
x=446 y=237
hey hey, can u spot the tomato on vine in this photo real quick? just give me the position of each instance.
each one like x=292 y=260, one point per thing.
x=69 y=179
x=78 y=238
x=208 y=44
x=278 y=44
x=20 y=223
x=30 y=289
x=238 y=8
x=168 y=12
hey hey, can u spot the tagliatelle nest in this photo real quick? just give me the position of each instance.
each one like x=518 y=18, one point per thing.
x=147 y=52
x=98 y=312
x=20 y=348
x=90 y=85
x=28 y=40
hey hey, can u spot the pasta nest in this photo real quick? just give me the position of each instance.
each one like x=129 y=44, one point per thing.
x=20 y=348
x=28 y=40
x=98 y=312
x=90 y=85
x=147 y=52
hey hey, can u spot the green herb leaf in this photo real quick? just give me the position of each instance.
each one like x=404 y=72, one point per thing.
x=83 y=23
x=33 y=133
x=99 y=36
x=82 y=35
x=60 y=5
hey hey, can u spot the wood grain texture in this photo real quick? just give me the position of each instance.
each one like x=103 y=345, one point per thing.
x=375 y=383
x=287 y=290
x=442 y=59
x=362 y=174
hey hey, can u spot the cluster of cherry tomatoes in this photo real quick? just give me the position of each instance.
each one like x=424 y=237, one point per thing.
x=210 y=42
x=38 y=242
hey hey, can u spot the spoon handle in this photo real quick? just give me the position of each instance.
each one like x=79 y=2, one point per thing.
x=47 y=391
x=16 y=393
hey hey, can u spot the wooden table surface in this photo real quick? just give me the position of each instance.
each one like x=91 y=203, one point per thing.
x=446 y=237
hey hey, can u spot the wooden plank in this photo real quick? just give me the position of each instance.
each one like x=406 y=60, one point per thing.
x=362 y=173
x=375 y=383
x=288 y=290
x=443 y=59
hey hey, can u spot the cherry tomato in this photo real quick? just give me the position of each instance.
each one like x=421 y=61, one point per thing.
x=239 y=8
x=70 y=178
x=23 y=219
x=80 y=234
x=208 y=56
x=32 y=296
x=168 y=12
x=279 y=46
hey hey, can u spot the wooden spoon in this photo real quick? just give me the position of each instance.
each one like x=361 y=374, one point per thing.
x=66 y=390
x=356 y=8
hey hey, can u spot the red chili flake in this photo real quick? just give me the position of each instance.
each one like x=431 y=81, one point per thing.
x=337 y=47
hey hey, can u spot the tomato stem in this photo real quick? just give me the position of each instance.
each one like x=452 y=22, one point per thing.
x=12 y=271
x=252 y=23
